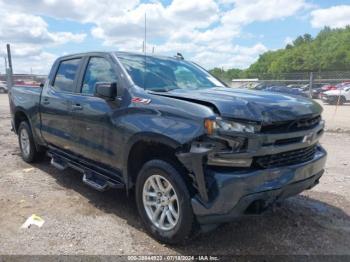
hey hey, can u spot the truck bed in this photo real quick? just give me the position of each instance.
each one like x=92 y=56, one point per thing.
x=27 y=98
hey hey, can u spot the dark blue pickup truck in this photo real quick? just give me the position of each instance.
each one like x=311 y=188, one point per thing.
x=195 y=152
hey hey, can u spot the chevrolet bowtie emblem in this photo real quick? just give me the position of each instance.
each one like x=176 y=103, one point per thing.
x=308 y=138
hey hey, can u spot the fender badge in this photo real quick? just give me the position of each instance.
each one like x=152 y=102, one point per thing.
x=141 y=100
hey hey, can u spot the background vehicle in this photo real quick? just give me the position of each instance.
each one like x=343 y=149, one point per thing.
x=195 y=152
x=316 y=90
x=3 y=87
x=287 y=90
x=338 y=96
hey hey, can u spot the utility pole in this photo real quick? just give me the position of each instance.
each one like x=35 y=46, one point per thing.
x=9 y=70
x=310 y=83
x=5 y=63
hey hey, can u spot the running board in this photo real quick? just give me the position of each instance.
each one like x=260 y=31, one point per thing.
x=95 y=182
x=59 y=164
x=93 y=176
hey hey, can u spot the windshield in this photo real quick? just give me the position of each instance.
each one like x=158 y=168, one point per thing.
x=165 y=74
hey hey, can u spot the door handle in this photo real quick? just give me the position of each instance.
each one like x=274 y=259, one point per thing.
x=77 y=107
x=46 y=101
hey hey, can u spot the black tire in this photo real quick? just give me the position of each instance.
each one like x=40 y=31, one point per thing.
x=185 y=223
x=342 y=100
x=332 y=101
x=32 y=154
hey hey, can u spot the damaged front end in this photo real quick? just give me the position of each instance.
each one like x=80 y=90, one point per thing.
x=221 y=146
x=235 y=160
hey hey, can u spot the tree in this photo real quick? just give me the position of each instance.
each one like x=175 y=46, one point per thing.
x=328 y=51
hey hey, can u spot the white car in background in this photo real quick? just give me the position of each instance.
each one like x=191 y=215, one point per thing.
x=3 y=87
x=337 y=96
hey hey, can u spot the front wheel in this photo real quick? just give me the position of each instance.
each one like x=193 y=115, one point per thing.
x=163 y=202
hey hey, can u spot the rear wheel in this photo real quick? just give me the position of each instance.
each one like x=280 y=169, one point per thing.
x=164 y=202
x=26 y=143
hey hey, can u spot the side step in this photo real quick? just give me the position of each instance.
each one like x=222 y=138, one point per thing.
x=95 y=182
x=58 y=163
x=92 y=177
x=99 y=182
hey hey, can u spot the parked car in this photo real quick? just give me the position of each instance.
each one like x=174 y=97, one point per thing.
x=3 y=87
x=195 y=152
x=294 y=86
x=287 y=90
x=328 y=87
x=342 y=85
x=318 y=88
x=262 y=86
x=338 y=96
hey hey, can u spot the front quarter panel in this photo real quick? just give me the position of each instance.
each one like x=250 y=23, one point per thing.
x=169 y=121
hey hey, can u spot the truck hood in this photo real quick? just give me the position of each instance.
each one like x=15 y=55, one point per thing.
x=252 y=105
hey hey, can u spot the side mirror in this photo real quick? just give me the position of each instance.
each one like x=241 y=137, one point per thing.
x=106 y=90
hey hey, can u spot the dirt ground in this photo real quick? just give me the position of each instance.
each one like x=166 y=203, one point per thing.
x=79 y=220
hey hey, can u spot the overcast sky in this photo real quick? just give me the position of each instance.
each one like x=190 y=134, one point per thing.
x=222 y=33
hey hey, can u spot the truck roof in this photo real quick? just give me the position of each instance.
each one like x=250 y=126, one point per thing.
x=117 y=53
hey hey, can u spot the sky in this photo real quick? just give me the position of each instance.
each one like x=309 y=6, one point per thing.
x=212 y=33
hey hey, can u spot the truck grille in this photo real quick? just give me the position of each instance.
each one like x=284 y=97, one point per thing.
x=285 y=158
x=291 y=126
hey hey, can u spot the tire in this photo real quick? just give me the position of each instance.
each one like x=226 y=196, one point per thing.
x=175 y=232
x=342 y=100
x=332 y=101
x=26 y=142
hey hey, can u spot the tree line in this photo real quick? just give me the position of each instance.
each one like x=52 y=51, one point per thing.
x=328 y=51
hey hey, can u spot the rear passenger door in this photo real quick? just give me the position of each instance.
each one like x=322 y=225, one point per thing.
x=55 y=107
x=95 y=137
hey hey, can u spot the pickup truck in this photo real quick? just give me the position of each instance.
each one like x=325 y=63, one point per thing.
x=195 y=152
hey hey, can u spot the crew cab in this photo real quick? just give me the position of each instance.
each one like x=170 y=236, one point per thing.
x=195 y=152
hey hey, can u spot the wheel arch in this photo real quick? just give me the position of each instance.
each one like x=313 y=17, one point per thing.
x=20 y=116
x=158 y=146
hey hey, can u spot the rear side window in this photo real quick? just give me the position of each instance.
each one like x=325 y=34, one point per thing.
x=67 y=70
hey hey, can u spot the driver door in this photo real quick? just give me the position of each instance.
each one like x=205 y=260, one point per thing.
x=93 y=130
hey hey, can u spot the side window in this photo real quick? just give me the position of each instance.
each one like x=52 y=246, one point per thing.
x=98 y=70
x=64 y=79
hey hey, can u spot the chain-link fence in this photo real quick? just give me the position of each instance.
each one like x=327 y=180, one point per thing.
x=311 y=84
x=333 y=77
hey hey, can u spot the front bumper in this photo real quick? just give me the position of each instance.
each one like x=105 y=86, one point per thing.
x=235 y=191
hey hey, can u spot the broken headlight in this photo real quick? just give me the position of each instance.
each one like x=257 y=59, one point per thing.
x=226 y=125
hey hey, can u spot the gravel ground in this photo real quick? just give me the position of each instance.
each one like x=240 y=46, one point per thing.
x=79 y=220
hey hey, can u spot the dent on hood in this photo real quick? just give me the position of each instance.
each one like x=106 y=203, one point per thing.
x=250 y=105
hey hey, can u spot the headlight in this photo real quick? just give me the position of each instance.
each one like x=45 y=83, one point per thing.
x=223 y=125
